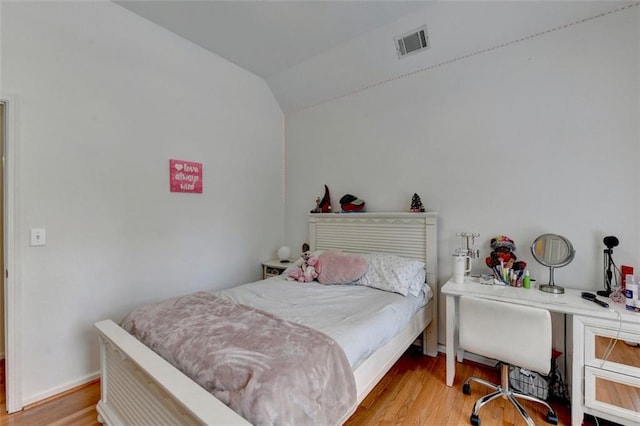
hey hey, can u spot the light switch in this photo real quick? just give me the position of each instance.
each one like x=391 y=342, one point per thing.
x=38 y=237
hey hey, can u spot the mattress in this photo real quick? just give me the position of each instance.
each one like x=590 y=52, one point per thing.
x=360 y=319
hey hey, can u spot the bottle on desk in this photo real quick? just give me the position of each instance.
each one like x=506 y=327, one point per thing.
x=631 y=293
x=526 y=281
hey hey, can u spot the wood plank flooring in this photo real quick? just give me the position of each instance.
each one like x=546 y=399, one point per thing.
x=76 y=407
x=412 y=393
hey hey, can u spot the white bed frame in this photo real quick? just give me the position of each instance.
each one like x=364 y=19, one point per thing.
x=138 y=387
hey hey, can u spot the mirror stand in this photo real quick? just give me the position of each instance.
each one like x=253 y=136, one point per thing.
x=551 y=287
x=553 y=251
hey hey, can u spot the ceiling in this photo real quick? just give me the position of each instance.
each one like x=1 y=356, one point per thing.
x=267 y=37
x=311 y=51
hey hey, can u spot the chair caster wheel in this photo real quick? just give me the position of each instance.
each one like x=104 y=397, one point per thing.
x=475 y=420
x=552 y=418
x=466 y=389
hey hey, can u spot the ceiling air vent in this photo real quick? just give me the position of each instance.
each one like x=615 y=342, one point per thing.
x=412 y=42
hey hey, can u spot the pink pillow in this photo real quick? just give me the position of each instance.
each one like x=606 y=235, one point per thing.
x=339 y=268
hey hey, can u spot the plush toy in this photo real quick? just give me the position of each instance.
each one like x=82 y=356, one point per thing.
x=305 y=251
x=307 y=268
x=307 y=271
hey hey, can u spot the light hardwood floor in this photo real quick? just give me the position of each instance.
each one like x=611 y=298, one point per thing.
x=412 y=393
x=77 y=407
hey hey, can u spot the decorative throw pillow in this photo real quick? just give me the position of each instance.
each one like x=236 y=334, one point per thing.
x=393 y=273
x=340 y=268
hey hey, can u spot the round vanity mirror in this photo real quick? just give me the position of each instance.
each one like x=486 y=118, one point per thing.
x=553 y=251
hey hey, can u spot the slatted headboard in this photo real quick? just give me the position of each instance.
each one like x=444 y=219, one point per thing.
x=411 y=235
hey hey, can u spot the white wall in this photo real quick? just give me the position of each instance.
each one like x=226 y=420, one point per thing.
x=537 y=136
x=105 y=100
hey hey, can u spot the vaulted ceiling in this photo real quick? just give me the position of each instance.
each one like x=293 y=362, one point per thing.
x=311 y=51
x=271 y=38
x=267 y=37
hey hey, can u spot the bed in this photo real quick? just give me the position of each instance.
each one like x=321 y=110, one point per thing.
x=140 y=387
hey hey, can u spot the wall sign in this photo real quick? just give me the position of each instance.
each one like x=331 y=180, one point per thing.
x=185 y=176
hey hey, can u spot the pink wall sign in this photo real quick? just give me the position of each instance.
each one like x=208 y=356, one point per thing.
x=185 y=176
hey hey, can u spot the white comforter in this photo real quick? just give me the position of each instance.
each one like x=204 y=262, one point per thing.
x=360 y=319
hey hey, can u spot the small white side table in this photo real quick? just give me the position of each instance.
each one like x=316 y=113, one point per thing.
x=273 y=268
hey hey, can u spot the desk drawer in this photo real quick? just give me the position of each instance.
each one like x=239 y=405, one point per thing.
x=607 y=348
x=612 y=393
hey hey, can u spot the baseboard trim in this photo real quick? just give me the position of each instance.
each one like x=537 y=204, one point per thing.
x=59 y=391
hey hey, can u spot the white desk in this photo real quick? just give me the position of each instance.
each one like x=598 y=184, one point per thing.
x=582 y=312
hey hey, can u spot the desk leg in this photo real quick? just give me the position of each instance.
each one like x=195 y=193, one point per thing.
x=452 y=338
x=577 y=373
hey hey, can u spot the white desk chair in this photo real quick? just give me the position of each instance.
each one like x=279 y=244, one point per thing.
x=513 y=334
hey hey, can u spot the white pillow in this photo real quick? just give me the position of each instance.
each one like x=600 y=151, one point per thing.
x=419 y=280
x=393 y=273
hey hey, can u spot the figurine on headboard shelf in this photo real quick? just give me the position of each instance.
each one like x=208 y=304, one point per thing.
x=323 y=205
x=416 y=204
x=351 y=203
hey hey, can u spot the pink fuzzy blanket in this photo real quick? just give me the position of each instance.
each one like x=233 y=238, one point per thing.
x=268 y=370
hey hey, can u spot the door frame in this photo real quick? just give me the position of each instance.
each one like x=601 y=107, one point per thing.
x=12 y=272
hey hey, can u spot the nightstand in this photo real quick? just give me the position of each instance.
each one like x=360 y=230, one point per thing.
x=273 y=268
